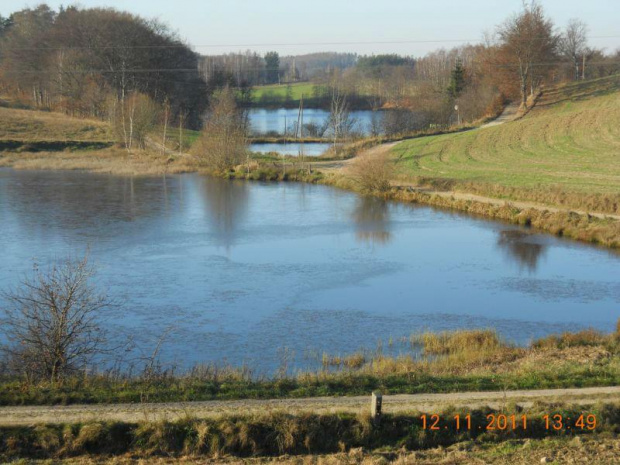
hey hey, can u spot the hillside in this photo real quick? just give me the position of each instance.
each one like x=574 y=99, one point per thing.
x=38 y=126
x=566 y=150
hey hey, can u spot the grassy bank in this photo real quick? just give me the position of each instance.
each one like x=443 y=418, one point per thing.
x=599 y=449
x=276 y=433
x=585 y=228
x=563 y=152
x=435 y=363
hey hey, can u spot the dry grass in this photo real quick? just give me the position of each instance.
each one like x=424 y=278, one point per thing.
x=111 y=161
x=450 y=342
x=28 y=125
x=303 y=435
x=584 y=228
x=372 y=173
x=593 y=450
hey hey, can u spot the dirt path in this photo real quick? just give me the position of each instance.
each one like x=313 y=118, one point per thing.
x=397 y=403
x=510 y=113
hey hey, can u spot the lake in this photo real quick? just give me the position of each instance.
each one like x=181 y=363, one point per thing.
x=310 y=149
x=263 y=120
x=243 y=272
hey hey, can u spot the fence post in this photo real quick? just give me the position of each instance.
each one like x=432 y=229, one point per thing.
x=375 y=407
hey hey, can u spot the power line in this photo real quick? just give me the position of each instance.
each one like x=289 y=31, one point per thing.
x=197 y=70
x=275 y=44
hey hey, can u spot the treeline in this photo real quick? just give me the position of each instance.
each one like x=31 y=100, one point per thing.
x=247 y=69
x=471 y=82
x=90 y=62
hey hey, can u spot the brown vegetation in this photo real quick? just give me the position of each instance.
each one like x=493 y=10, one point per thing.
x=223 y=142
x=53 y=321
x=27 y=125
x=372 y=173
x=115 y=161
x=275 y=434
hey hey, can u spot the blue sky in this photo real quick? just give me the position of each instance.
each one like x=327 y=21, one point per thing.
x=215 y=26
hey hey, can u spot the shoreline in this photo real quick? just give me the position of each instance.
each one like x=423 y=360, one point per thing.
x=594 y=228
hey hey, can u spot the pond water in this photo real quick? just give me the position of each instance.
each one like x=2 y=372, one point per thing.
x=310 y=149
x=245 y=272
x=263 y=120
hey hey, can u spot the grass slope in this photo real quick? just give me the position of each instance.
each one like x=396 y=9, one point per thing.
x=35 y=126
x=570 y=142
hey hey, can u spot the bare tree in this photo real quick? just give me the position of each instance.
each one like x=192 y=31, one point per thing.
x=223 y=142
x=53 y=321
x=166 y=117
x=529 y=43
x=340 y=121
x=573 y=44
x=133 y=119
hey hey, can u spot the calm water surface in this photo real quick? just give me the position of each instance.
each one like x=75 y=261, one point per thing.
x=239 y=271
x=263 y=120
x=312 y=149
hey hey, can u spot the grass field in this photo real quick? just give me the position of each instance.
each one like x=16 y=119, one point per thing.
x=567 y=145
x=278 y=92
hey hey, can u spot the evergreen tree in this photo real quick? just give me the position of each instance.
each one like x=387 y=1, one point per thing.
x=272 y=66
x=457 y=80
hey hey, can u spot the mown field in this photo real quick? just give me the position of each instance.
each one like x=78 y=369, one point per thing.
x=564 y=150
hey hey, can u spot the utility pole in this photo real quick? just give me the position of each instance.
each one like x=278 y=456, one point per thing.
x=301 y=130
x=583 y=67
x=284 y=151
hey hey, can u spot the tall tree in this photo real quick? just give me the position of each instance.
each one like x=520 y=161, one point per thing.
x=457 y=80
x=272 y=67
x=573 y=44
x=529 y=44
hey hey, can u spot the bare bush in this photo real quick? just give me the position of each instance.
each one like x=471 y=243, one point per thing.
x=373 y=172
x=53 y=321
x=223 y=142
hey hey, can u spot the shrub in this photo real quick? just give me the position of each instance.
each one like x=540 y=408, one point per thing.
x=373 y=172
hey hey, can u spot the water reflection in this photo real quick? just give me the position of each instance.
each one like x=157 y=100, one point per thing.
x=227 y=203
x=517 y=248
x=372 y=220
x=70 y=202
x=291 y=276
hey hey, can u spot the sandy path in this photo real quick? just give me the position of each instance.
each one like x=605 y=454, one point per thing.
x=397 y=403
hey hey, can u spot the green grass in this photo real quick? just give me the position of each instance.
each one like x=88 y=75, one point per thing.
x=279 y=91
x=190 y=136
x=567 y=146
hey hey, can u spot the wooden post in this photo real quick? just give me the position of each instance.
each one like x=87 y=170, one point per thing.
x=375 y=407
